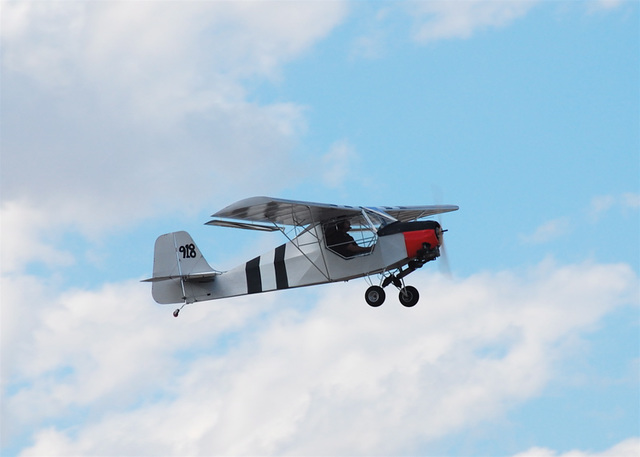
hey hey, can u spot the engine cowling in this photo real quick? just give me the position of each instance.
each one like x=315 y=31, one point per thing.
x=422 y=238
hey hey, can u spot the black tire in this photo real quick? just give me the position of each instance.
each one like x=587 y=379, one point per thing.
x=374 y=296
x=409 y=296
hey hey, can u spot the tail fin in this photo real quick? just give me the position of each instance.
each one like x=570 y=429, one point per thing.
x=180 y=272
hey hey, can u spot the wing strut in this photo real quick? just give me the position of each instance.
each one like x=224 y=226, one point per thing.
x=312 y=226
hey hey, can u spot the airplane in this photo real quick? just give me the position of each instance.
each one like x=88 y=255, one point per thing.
x=390 y=242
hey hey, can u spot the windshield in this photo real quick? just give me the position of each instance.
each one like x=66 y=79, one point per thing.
x=377 y=218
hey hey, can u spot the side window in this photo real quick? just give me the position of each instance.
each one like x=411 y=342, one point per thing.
x=365 y=236
x=349 y=240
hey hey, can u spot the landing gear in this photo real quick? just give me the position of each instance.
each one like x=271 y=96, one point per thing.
x=375 y=296
x=409 y=296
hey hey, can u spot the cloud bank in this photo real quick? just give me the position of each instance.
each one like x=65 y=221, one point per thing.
x=108 y=372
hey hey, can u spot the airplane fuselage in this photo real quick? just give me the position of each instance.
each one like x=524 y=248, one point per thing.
x=307 y=260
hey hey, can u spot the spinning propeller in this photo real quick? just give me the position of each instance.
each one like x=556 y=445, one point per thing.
x=445 y=266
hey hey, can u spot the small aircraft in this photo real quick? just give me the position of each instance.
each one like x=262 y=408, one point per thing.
x=391 y=242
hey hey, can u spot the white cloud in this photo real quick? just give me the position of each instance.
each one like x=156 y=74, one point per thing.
x=603 y=204
x=626 y=448
x=99 y=349
x=438 y=20
x=600 y=206
x=442 y=19
x=21 y=239
x=115 y=110
x=140 y=42
x=338 y=165
x=263 y=375
x=549 y=231
x=598 y=5
x=630 y=200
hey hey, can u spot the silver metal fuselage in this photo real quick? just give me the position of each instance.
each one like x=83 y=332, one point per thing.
x=303 y=261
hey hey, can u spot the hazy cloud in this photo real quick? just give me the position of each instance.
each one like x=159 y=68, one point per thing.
x=626 y=448
x=440 y=19
x=626 y=204
x=437 y=20
x=338 y=164
x=22 y=241
x=602 y=204
x=606 y=4
x=548 y=231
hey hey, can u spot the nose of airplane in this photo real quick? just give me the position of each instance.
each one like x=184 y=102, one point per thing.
x=416 y=241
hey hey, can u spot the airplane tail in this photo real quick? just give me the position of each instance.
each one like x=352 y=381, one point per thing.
x=180 y=272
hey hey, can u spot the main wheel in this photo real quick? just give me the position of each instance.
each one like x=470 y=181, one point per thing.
x=409 y=296
x=375 y=296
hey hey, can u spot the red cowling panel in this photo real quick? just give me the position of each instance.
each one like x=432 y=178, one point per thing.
x=414 y=241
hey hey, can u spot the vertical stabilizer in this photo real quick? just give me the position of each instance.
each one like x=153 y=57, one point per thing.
x=180 y=272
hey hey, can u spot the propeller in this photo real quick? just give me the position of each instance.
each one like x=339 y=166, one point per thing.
x=445 y=266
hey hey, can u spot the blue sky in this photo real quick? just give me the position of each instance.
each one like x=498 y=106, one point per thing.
x=122 y=121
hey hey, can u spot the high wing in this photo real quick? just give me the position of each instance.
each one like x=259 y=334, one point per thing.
x=266 y=213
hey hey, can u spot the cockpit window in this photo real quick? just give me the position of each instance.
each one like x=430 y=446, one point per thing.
x=350 y=237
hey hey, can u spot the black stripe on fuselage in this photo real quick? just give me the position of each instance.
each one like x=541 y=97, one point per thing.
x=282 y=282
x=254 y=280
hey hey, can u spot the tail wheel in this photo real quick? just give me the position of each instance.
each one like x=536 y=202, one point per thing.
x=375 y=296
x=409 y=296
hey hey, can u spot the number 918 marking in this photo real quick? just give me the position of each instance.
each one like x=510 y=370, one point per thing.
x=188 y=251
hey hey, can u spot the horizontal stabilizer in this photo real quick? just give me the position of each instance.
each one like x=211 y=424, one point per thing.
x=196 y=277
